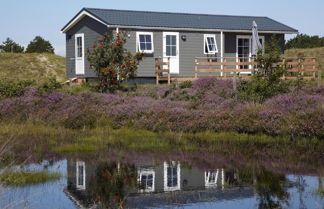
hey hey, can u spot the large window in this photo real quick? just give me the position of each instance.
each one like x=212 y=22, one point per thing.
x=146 y=180
x=80 y=175
x=145 y=42
x=211 y=178
x=210 y=45
x=171 y=176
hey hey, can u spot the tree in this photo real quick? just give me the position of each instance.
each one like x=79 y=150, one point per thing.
x=11 y=46
x=305 y=41
x=39 y=45
x=266 y=82
x=112 y=62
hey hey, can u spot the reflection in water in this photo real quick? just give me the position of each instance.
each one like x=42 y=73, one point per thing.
x=111 y=185
x=171 y=176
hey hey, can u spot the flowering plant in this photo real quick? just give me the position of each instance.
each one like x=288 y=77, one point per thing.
x=112 y=62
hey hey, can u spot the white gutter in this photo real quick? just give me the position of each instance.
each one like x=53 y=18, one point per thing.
x=197 y=29
x=78 y=18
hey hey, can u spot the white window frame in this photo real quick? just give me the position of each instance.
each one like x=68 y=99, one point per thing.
x=208 y=175
x=79 y=35
x=250 y=47
x=138 y=48
x=142 y=172
x=166 y=187
x=78 y=185
x=206 y=44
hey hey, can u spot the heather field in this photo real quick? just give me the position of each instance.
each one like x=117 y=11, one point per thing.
x=206 y=105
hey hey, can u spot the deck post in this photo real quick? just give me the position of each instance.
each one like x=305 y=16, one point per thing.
x=156 y=68
x=210 y=67
x=319 y=74
x=314 y=67
x=284 y=65
x=196 y=68
x=169 y=76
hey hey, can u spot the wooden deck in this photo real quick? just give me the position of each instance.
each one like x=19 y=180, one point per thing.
x=232 y=68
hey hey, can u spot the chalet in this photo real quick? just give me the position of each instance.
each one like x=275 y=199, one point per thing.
x=178 y=38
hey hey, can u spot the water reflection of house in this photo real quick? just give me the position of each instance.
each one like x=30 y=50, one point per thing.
x=155 y=181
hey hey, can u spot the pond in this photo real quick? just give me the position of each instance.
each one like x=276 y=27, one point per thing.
x=145 y=182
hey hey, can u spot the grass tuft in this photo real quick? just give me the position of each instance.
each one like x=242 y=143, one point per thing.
x=23 y=178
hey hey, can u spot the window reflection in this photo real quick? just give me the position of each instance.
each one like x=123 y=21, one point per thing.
x=80 y=175
x=171 y=176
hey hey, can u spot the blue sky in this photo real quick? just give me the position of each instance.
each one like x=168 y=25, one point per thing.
x=22 y=20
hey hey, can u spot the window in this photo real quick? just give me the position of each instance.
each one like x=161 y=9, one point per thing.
x=171 y=45
x=244 y=47
x=146 y=180
x=79 y=45
x=211 y=178
x=145 y=42
x=80 y=175
x=210 y=45
x=171 y=176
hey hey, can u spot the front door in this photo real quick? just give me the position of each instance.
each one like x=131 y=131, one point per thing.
x=79 y=54
x=171 y=50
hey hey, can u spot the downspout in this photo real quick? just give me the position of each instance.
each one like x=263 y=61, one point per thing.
x=222 y=52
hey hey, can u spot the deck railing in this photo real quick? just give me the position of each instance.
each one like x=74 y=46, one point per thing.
x=232 y=67
x=306 y=68
x=162 y=70
x=223 y=66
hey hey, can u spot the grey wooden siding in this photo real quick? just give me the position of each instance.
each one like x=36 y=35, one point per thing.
x=92 y=31
x=192 y=47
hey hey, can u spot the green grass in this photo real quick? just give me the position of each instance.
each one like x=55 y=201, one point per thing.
x=32 y=66
x=76 y=149
x=23 y=178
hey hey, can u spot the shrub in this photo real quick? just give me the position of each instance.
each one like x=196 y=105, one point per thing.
x=50 y=85
x=13 y=88
x=185 y=84
x=266 y=82
x=112 y=62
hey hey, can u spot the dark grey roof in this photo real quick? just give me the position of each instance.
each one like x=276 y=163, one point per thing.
x=185 y=20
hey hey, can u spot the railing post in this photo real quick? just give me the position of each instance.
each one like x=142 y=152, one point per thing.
x=222 y=66
x=156 y=70
x=169 y=76
x=284 y=65
x=314 y=68
x=234 y=78
x=225 y=60
x=319 y=76
x=210 y=67
x=196 y=68
x=301 y=65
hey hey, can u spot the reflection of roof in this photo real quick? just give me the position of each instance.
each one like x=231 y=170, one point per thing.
x=187 y=197
x=76 y=198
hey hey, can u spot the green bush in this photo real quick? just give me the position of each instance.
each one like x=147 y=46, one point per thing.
x=266 y=82
x=50 y=85
x=185 y=84
x=12 y=88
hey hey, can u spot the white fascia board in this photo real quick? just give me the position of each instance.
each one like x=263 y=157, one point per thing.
x=78 y=18
x=198 y=29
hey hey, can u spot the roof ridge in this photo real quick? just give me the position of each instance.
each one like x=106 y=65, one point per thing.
x=179 y=13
